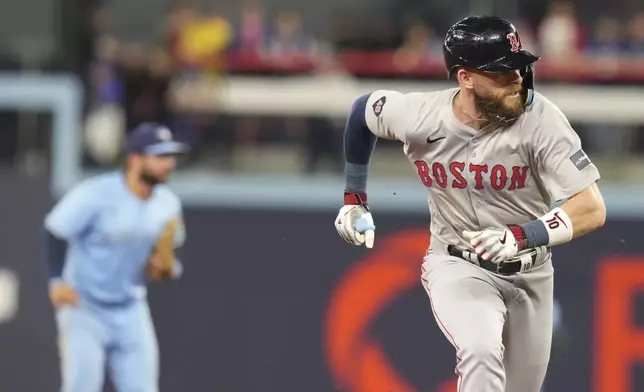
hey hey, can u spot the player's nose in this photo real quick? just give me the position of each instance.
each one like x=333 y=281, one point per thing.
x=515 y=77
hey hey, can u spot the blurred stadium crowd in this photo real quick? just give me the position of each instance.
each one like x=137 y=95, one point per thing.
x=128 y=77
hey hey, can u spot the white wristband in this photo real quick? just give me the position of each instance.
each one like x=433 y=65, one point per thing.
x=558 y=225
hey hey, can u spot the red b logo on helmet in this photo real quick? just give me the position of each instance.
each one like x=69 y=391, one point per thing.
x=514 y=41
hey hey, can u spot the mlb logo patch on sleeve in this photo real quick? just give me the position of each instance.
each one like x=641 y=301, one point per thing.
x=378 y=105
x=580 y=159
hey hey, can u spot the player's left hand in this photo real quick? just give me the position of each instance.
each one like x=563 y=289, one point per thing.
x=162 y=260
x=496 y=244
x=157 y=268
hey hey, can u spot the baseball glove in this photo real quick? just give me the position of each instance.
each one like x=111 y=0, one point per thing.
x=161 y=262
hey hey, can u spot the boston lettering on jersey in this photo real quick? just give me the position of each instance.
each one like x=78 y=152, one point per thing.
x=497 y=176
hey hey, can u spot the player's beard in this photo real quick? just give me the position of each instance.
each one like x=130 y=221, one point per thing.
x=151 y=179
x=501 y=108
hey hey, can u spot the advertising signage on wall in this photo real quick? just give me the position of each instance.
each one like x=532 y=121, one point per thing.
x=290 y=307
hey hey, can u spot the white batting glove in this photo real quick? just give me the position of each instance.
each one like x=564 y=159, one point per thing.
x=354 y=223
x=494 y=243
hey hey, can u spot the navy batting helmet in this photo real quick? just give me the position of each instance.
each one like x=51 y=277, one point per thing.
x=488 y=44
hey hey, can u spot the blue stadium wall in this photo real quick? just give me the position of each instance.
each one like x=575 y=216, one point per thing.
x=275 y=301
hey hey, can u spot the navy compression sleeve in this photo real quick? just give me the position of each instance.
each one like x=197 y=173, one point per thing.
x=56 y=250
x=359 y=144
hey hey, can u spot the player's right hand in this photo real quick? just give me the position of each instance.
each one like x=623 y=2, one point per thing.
x=61 y=294
x=354 y=222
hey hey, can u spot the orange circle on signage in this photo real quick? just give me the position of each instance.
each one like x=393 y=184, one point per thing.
x=357 y=362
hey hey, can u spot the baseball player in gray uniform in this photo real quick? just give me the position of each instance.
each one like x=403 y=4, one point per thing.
x=507 y=179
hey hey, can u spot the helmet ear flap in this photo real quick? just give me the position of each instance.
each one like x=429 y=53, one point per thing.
x=527 y=74
x=452 y=74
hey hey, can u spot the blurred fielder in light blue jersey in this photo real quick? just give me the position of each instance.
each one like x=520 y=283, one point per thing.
x=100 y=237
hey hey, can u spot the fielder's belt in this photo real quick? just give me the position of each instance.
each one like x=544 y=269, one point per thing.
x=521 y=263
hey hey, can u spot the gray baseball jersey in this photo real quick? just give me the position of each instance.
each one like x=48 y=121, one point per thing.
x=500 y=326
x=493 y=177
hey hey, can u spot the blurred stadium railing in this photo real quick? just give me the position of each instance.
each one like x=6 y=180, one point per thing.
x=393 y=185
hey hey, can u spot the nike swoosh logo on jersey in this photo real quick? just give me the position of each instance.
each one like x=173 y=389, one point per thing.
x=430 y=140
x=502 y=240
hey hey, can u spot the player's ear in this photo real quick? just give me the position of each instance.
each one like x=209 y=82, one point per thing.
x=464 y=78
